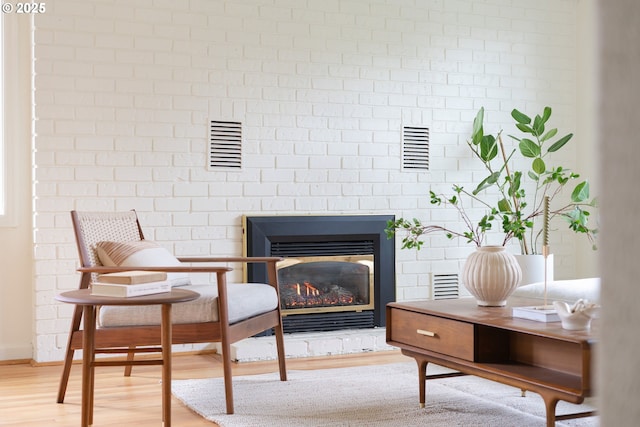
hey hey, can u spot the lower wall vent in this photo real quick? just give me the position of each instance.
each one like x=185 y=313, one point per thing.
x=445 y=286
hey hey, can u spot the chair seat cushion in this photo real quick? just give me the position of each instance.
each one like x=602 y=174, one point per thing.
x=245 y=300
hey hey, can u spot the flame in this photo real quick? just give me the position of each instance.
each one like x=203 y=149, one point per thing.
x=311 y=289
x=306 y=294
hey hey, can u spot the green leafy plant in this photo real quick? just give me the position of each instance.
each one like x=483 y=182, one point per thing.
x=519 y=208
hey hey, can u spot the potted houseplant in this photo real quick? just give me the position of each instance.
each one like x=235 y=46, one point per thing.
x=520 y=193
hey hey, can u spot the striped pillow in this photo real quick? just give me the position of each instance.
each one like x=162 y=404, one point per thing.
x=140 y=253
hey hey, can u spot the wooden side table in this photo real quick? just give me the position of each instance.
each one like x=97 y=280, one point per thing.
x=89 y=305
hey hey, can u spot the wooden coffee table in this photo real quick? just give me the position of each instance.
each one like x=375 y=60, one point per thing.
x=488 y=342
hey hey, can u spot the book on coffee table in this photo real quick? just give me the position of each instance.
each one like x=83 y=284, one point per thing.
x=537 y=313
x=119 y=290
x=132 y=277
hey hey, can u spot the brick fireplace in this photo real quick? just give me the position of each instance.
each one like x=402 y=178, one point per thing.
x=338 y=272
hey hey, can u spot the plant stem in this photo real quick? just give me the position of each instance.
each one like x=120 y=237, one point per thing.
x=523 y=243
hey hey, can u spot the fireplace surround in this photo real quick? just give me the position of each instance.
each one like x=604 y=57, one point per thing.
x=325 y=241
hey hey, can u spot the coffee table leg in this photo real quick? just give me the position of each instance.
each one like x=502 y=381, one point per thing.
x=550 y=405
x=422 y=379
x=166 y=364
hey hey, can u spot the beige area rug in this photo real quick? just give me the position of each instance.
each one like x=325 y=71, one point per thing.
x=372 y=396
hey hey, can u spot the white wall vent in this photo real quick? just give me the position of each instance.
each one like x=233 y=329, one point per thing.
x=225 y=145
x=415 y=148
x=445 y=286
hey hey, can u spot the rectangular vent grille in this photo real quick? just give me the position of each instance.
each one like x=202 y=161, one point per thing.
x=445 y=286
x=313 y=322
x=415 y=148
x=299 y=249
x=225 y=145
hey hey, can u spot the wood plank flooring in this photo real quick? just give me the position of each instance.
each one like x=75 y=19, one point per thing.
x=28 y=393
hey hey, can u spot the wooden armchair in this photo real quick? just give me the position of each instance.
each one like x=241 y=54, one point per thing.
x=224 y=313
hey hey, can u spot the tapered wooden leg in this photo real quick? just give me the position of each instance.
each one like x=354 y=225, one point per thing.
x=228 y=374
x=282 y=363
x=550 y=405
x=272 y=273
x=422 y=380
x=68 y=358
x=166 y=364
x=130 y=357
x=88 y=358
x=225 y=342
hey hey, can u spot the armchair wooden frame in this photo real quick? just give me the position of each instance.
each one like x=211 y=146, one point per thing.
x=129 y=339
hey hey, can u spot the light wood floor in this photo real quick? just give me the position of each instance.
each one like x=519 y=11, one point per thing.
x=28 y=393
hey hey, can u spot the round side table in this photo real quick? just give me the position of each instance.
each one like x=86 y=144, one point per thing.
x=89 y=305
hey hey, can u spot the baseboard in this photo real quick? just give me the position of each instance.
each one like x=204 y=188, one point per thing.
x=13 y=354
x=16 y=362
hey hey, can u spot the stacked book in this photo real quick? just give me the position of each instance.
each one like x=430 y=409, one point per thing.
x=543 y=313
x=131 y=284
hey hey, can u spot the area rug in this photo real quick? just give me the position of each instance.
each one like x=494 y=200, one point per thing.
x=372 y=396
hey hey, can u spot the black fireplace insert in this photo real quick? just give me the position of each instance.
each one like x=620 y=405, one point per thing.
x=338 y=272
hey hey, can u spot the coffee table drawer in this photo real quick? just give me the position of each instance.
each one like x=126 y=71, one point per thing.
x=450 y=337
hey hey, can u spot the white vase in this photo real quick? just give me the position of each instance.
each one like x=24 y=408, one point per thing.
x=533 y=268
x=491 y=274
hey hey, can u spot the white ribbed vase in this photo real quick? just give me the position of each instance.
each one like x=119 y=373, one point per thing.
x=491 y=274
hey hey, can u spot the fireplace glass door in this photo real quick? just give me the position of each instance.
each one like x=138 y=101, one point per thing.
x=318 y=284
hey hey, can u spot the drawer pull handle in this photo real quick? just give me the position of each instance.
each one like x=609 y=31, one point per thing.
x=426 y=333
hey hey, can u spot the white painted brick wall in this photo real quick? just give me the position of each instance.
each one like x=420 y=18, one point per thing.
x=124 y=93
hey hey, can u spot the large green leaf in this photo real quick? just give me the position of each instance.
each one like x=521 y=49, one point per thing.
x=528 y=148
x=477 y=127
x=546 y=114
x=550 y=134
x=520 y=117
x=538 y=166
x=560 y=143
x=476 y=138
x=516 y=178
x=581 y=192
x=514 y=183
x=488 y=148
x=504 y=206
x=538 y=126
x=487 y=182
x=524 y=128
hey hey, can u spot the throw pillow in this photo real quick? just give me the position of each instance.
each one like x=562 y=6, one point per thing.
x=140 y=253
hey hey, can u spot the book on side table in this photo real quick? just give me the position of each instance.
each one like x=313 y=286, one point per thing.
x=538 y=313
x=131 y=284
x=132 y=277
x=118 y=290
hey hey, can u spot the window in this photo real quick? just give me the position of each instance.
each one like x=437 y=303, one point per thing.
x=8 y=31
x=3 y=180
